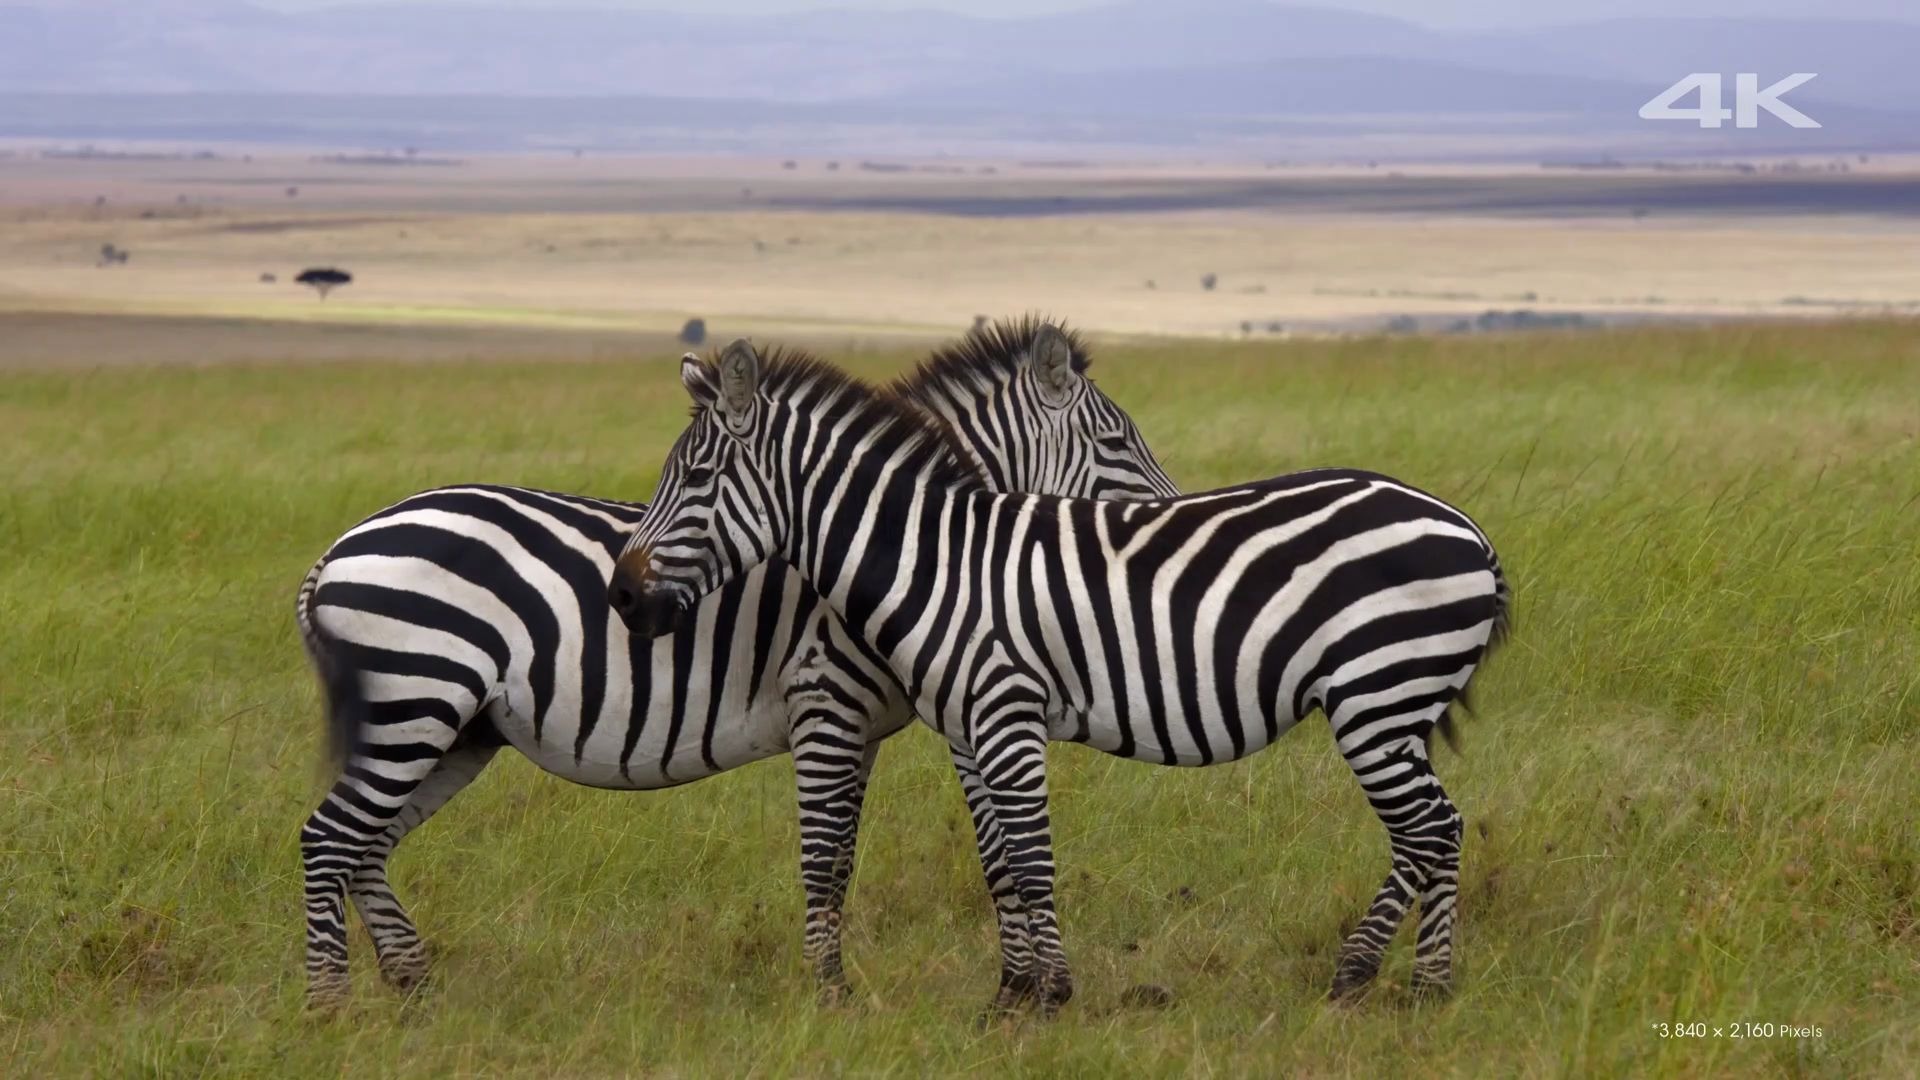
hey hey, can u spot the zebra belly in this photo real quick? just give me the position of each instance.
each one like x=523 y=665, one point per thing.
x=674 y=709
x=741 y=737
x=1105 y=730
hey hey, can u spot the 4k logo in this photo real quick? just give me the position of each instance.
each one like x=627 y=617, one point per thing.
x=1748 y=99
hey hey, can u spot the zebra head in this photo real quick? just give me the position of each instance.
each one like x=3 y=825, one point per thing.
x=1017 y=395
x=710 y=518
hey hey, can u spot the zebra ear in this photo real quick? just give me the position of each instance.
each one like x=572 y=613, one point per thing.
x=1052 y=360
x=698 y=378
x=739 y=378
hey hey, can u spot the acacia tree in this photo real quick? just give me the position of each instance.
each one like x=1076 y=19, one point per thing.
x=324 y=279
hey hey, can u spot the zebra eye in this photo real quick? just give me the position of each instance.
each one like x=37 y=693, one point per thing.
x=1116 y=441
x=699 y=477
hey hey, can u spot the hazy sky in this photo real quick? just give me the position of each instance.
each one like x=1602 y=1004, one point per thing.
x=1444 y=13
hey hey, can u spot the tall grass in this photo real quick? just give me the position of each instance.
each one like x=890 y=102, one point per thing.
x=1690 y=788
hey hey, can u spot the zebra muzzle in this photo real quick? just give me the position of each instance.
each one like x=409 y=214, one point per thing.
x=648 y=609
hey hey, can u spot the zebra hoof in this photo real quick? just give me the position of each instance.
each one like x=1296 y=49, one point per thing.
x=1352 y=977
x=1055 y=993
x=1351 y=980
x=406 y=972
x=1427 y=988
x=1346 y=993
x=997 y=1012
x=327 y=997
x=835 y=996
x=1016 y=992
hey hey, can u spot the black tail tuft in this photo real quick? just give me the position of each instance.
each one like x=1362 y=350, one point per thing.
x=1449 y=731
x=339 y=676
x=1502 y=606
x=346 y=701
x=1446 y=725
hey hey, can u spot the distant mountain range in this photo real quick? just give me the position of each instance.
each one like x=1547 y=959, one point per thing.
x=1140 y=65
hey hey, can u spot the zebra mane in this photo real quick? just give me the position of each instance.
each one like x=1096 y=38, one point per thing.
x=988 y=354
x=829 y=395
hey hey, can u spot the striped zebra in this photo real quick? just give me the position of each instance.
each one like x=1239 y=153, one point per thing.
x=464 y=619
x=1185 y=631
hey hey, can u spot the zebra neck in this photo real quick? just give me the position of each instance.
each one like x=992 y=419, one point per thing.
x=969 y=412
x=888 y=558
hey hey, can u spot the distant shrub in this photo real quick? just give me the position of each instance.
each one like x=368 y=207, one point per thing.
x=694 y=332
x=1528 y=319
x=324 y=279
x=1209 y=280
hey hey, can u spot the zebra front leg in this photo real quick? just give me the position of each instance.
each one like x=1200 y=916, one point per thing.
x=1016 y=947
x=1423 y=831
x=372 y=791
x=396 y=941
x=1013 y=765
x=832 y=760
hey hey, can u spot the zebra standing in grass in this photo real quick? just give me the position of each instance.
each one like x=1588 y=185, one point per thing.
x=1185 y=631
x=464 y=619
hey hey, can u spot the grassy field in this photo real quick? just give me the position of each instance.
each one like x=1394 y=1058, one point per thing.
x=1690 y=788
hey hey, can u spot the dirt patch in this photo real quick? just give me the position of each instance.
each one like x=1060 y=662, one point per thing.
x=310 y=224
x=30 y=340
x=137 y=948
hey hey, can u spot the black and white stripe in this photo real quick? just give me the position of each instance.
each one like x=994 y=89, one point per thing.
x=464 y=619
x=1184 y=631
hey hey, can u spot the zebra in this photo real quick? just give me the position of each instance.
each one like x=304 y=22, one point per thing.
x=1179 y=631
x=464 y=619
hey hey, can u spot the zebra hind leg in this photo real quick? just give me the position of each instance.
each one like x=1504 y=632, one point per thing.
x=1017 y=982
x=396 y=941
x=1433 y=949
x=372 y=791
x=1423 y=831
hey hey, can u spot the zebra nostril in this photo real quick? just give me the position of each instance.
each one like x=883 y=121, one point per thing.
x=623 y=599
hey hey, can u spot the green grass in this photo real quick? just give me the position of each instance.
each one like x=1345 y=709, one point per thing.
x=1690 y=789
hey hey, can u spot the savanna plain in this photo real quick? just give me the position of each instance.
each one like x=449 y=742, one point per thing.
x=1689 y=786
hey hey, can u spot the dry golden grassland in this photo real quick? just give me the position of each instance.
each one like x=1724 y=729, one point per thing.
x=640 y=247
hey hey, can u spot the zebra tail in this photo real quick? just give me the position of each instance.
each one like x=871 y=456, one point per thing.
x=339 y=678
x=1449 y=731
x=1447 y=726
x=1502 y=604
